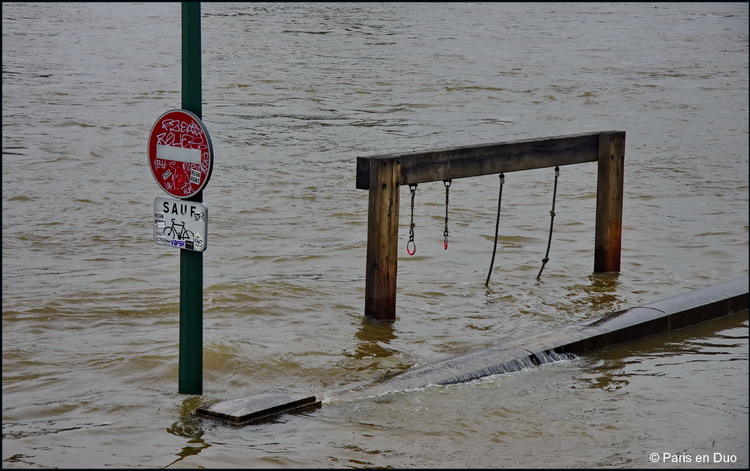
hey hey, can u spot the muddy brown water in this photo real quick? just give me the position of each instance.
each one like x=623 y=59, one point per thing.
x=293 y=93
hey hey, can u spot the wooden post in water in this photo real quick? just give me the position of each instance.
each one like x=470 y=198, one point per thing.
x=382 y=239
x=609 y=195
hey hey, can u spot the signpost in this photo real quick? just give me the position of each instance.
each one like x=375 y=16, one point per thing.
x=191 y=263
x=181 y=159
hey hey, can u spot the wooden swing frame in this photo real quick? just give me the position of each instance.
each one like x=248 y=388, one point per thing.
x=383 y=175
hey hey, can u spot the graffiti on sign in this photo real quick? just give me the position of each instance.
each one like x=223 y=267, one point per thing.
x=180 y=153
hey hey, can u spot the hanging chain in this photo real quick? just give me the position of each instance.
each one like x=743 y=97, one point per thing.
x=447 y=184
x=497 y=225
x=411 y=246
x=551 y=222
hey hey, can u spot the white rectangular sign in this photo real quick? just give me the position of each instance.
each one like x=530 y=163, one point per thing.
x=180 y=154
x=182 y=224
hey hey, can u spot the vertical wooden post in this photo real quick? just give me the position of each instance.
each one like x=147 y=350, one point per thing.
x=382 y=240
x=609 y=197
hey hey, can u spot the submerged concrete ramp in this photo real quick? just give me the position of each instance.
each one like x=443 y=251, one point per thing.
x=655 y=318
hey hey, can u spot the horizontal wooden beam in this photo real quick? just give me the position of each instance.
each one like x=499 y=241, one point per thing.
x=486 y=159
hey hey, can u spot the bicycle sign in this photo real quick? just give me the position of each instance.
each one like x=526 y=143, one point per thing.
x=179 y=223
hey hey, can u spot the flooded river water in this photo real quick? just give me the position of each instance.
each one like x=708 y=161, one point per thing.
x=292 y=95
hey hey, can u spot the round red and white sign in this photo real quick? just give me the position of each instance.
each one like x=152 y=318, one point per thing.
x=180 y=153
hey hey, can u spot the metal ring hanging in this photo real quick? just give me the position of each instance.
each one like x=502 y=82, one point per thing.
x=497 y=225
x=447 y=184
x=551 y=222
x=411 y=246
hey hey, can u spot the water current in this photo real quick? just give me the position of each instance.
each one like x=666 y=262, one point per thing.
x=293 y=93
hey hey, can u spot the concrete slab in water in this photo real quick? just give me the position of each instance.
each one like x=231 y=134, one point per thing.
x=258 y=408
x=624 y=326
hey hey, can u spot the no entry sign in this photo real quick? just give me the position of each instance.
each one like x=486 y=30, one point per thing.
x=180 y=153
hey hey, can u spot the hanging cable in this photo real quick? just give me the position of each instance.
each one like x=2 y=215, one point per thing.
x=497 y=226
x=447 y=184
x=551 y=222
x=411 y=246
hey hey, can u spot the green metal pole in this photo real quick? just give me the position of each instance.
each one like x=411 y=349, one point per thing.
x=191 y=263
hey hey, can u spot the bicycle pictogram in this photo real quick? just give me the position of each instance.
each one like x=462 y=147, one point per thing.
x=172 y=233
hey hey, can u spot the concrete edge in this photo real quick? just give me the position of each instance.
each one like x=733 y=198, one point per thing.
x=624 y=326
x=260 y=408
